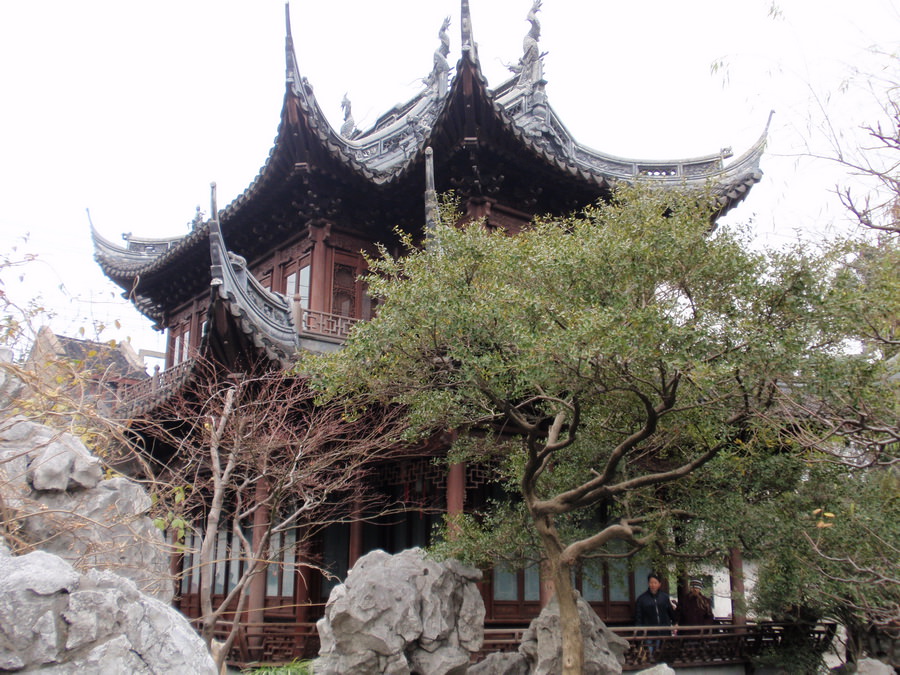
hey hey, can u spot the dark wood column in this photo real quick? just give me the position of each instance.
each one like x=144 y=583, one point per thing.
x=320 y=275
x=456 y=489
x=196 y=329
x=355 y=545
x=256 y=600
x=302 y=578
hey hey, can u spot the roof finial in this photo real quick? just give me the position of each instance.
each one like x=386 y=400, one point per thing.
x=431 y=206
x=292 y=71
x=468 y=43
x=213 y=209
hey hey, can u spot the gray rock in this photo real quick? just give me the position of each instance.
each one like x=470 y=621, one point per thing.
x=658 y=669
x=604 y=651
x=55 y=620
x=47 y=459
x=91 y=617
x=105 y=528
x=502 y=663
x=402 y=614
x=54 y=485
x=873 y=667
x=64 y=464
x=541 y=650
x=108 y=658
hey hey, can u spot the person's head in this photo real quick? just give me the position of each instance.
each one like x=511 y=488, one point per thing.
x=653 y=582
x=696 y=586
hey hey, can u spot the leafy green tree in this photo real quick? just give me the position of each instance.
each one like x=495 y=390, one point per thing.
x=831 y=544
x=603 y=357
x=824 y=535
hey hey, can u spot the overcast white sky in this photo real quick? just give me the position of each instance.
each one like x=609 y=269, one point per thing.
x=131 y=108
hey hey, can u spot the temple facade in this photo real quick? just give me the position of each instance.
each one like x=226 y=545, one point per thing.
x=277 y=271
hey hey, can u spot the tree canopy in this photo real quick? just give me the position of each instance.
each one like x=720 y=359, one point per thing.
x=602 y=356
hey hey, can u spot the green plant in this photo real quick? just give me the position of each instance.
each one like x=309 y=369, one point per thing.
x=295 y=667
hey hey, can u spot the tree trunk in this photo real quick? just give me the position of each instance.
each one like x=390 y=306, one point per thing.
x=736 y=578
x=569 y=621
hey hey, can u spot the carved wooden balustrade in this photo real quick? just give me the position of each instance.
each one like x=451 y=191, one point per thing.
x=723 y=644
x=325 y=325
x=137 y=398
x=270 y=642
x=141 y=396
x=690 y=646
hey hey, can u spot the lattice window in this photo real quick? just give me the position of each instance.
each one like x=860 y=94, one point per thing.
x=420 y=483
x=478 y=475
x=344 y=290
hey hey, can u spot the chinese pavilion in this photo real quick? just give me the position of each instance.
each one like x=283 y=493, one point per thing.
x=277 y=270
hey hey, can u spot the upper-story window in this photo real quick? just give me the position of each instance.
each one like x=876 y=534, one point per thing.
x=185 y=333
x=179 y=342
x=185 y=345
x=296 y=280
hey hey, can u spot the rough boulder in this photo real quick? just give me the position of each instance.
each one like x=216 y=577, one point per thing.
x=402 y=615
x=541 y=650
x=54 y=489
x=55 y=620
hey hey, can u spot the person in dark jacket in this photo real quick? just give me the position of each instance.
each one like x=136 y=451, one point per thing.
x=653 y=607
x=695 y=609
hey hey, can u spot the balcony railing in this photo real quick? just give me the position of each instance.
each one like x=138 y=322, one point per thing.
x=145 y=394
x=688 y=646
x=691 y=646
x=325 y=324
x=136 y=398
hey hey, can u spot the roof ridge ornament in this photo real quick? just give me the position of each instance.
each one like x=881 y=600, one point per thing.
x=439 y=75
x=348 y=128
x=468 y=46
x=292 y=69
x=531 y=85
x=197 y=221
x=530 y=68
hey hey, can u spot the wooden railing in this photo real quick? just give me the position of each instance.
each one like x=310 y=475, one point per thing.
x=325 y=324
x=687 y=646
x=270 y=642
x=135 y=397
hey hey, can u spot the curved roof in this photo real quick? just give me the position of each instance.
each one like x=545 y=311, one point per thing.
x=264 y=317
x=484 y=141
